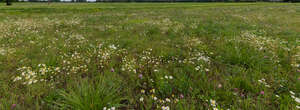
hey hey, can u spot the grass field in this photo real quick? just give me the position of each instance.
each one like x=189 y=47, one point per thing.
x=145 y=56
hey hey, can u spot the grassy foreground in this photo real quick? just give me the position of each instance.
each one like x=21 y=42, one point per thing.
x=169 y=56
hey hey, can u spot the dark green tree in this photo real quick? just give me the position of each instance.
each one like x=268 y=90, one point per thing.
x=8 y=2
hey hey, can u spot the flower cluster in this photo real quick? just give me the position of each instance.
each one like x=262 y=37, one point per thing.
x=213 y=103
x=7 y=51
x=111 y=108
x=263 y=81
x=129 y=64
x=43 y=73
x=295 y=98
x=74 y=63
x=167 y=77
x=265 y=44
x=296 y=58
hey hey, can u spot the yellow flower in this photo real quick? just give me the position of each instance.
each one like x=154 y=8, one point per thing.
x=152 y=90
x=213 y=103
x=152 y=95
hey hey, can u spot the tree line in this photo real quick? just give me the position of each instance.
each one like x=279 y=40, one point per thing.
x=9 y=2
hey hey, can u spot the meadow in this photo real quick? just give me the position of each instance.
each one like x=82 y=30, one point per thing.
x=148 y=56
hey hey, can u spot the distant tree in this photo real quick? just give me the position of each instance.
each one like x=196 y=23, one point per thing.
x=8 y=3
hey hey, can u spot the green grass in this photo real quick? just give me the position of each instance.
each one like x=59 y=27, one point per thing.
x=181 y=56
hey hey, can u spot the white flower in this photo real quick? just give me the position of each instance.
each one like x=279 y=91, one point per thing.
x=197 y=68
x=154 y=98
x=17 y=78
x=292 y=92
x=206 y=69
x=166 y=77
x=293 y=97
x=168 y=100
x=170 y=77
x=113 y=47
x=298 y=107
x=104 y=108
x=260 y=81
x=297 y=100
x=151 y=80
x=113 y=108
x=215 y=109
x=277 y=95
x=141 y=99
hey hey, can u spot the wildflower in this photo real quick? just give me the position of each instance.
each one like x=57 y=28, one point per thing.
x=154 y=98
x=292 y=92
x=242 y=95
x=170 y=77
x=17 y=78
x=197 y=68
x=277 y=95
x=297 y=100
x=141 y=99
x=113 y=47
x=220 y=85
x=298 y=107
x=161 y=101
x=165 y=108
x=166 y=77
x=215 y=108
x=213 y=102
x=206 y=69
x=181 y=96
x=143 y=91
x=104 y=108
x=140 y=76
x=113 y=108
x=112 y=70
x=168 y=100
x=293 y=97
x=236 y=89
x=262 y=92
x=155 y=70
x=151 y=80
x=152 y=90
x=13 y=106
